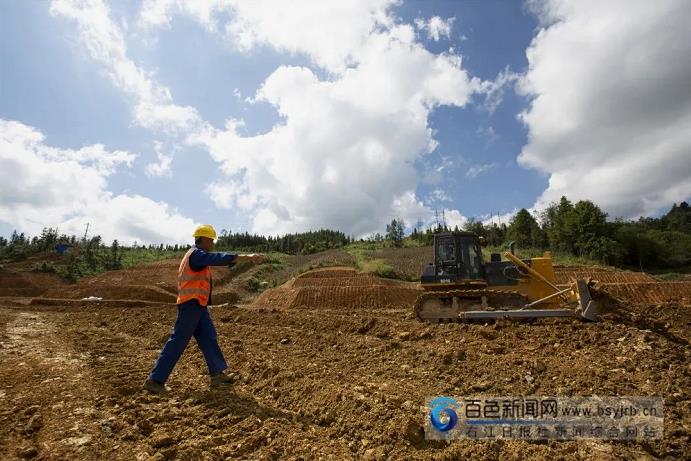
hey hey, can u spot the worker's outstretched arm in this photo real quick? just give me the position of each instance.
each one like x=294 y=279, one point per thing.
x=199 y=259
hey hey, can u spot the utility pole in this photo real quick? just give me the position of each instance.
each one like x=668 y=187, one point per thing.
x=86 y=232
x=443 y=218
x=436 y=217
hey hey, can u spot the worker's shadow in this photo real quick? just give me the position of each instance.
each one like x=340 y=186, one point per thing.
x=228 y=402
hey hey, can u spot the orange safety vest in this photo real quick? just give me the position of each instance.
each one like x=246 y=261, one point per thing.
x=193 y=284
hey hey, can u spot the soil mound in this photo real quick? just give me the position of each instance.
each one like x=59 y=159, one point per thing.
x=155 y=282
x=564 y=275
x=650 y=292
x=14 y=283
x=339 y=288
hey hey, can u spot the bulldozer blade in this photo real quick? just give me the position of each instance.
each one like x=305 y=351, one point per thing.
x=516 y=314
x=587 y=307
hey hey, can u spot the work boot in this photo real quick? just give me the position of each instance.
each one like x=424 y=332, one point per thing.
x=156 y=387
x=223 y=378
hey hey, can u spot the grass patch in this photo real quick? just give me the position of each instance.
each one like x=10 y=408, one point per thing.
x=134 y=257
x=365 y=263
x=379 y=267
x=359 y=252
x=256 y=285
x=45 y=268
x=275 y=259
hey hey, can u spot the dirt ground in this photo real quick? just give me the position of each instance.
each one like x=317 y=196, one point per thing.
x=319 y=380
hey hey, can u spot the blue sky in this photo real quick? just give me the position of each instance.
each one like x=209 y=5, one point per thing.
x=306 y=148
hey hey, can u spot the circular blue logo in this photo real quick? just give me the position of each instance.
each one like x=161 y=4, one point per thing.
x=443 y=413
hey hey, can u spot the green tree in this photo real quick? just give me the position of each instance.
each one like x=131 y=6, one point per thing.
x=673 y=248
x=472 y=225
x=555 y=220
x=586 y=223
x=581 y=229
x=525 y=231
x=496 y=234
x=115 y=257
x=395 y=232
x=678 y=219
x=606 y=250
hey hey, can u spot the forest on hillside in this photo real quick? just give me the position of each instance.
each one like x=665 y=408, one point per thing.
x=580 y=229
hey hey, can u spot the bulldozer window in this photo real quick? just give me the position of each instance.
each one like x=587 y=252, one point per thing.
x=447 y=251
x=470 y=256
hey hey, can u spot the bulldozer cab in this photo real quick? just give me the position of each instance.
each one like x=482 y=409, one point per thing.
x=458 y=256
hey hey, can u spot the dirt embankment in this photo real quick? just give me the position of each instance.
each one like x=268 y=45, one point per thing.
x=154 y=282
x=15 y=283
x=651 y=292
x=336 y=288
x=564 y=274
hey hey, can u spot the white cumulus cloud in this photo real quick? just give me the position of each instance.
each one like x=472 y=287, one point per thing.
x=454 y=219
x=104 y=41
x=158 y=13
x=45 y=186
x=436 y=27
x=343 y=153
x=330 y=33
x=164 y=161
x=611 y=109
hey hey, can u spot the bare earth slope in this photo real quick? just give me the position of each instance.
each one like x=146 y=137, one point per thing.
x=340 y=370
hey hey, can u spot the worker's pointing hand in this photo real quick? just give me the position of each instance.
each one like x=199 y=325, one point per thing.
x=255 y=258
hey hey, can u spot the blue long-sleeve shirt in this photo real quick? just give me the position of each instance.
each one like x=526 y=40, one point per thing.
x=199 y=259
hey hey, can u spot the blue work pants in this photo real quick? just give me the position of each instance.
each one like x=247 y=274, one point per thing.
x=192 y=320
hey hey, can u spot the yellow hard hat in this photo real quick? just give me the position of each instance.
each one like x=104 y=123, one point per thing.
x=205 y=230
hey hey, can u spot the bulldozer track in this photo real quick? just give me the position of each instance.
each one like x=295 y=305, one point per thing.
x=495 y=299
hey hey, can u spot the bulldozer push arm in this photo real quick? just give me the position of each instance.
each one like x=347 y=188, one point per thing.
x=587 y=308
x=514 y=259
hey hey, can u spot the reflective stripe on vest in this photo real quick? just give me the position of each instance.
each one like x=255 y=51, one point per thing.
x=191 y=284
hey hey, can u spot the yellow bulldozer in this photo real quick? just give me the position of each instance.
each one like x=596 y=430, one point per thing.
x=460 y=286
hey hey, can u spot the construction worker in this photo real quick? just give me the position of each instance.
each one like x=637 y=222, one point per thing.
x=194 y=295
